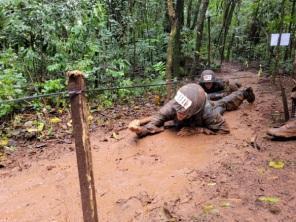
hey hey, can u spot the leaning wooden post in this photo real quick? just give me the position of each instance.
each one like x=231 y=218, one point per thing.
x=79 y=113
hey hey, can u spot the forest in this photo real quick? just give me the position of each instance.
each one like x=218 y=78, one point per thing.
x=127 y=42
x=147 y=110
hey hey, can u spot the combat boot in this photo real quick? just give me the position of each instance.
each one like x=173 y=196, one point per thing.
x=287 y=131
x=249 y=94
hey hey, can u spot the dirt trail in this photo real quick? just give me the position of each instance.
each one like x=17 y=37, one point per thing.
x=165 y=177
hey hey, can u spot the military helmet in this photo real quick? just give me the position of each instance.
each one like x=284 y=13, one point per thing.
x=207 y=76
x=190 y=99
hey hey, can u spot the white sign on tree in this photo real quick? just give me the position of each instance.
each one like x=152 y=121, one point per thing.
x=285 y=39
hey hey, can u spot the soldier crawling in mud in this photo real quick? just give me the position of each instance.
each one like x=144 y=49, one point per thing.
x=287 y=131
x=192 y=112
x=216 y=88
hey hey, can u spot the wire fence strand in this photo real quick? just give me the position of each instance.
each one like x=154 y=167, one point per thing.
x=70 y=93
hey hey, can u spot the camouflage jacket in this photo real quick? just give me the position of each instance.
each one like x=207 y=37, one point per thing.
x=221 y=88
x=208 y=118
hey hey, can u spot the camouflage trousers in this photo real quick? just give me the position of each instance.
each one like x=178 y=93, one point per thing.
x=230 y=102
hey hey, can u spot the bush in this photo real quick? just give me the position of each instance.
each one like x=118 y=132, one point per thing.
x=12 y=82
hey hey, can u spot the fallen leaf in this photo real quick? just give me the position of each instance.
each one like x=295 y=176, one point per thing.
x=3 y=142
x=32 y=130
x=90 y=118
x=2 y=157
x=211 y=184
x=28 y=124
x=209 y=208
x=225 y=204
x=69 y=124
x=40 y=126
x=115 y=136
x=55 y=120
x=276 y=164
x=271 y=200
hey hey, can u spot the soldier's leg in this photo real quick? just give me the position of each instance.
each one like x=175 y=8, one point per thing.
x=234 y=100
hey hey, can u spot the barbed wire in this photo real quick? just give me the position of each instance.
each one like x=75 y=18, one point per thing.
x=173 y=81
x=70 y=93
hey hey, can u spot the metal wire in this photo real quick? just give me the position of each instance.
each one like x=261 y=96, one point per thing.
x=70 y=93
x=64 y=93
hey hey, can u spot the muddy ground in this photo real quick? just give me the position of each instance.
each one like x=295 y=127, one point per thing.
x=165 y=177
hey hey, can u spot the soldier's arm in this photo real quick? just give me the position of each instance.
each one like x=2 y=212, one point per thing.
x=156 y=122
x=165 y=113
x=215 y=96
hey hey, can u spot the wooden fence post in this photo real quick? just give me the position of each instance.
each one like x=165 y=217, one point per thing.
x=79 y=113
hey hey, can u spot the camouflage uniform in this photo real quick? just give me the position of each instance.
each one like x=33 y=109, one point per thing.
x=207 y=114
x=220 y=88
x=234 y=100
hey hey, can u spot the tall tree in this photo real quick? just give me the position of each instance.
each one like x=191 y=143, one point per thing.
x=227 y=19
x=199 y=32
x=290 y=30
x=173 y=49
x=195 y=13
x=189 y=13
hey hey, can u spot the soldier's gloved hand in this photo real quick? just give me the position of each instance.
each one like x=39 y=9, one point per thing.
x=224 y=130
x=134 y=126
x=153 y=129
x=188 y=131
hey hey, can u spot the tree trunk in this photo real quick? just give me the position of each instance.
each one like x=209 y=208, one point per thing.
x=230 y=46
x=227 y=22
x=196 y=11
x=289 y=49
x=209 y=41
x=199 y=31
x=294 y=68
x=277 y=49
x=173 y=50
x=189 y=9
x=177 y=44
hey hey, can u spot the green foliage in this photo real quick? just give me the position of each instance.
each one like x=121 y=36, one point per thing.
x=53 y=86
x=120 y=42
x=12 y=82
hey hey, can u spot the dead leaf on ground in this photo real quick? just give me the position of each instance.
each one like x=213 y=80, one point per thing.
x=69 y=124
x=211 y=184
x=55 y=120
x=115 y=136
x=2 y=156
x=225 y=204
x=276 y=164
x=210 y=209
x=3 y=142
x=271 y=200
